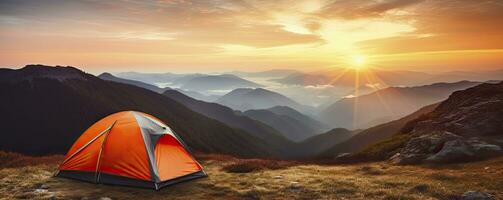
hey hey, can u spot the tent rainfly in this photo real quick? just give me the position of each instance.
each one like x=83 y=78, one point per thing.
x=133 y=149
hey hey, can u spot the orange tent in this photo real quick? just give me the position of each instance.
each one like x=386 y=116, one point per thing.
x=130 y=148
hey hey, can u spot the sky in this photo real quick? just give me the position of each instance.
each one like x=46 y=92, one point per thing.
x=252 y=35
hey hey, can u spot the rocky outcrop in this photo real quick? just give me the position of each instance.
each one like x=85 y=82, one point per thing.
x=466 y=127
x=475 y=195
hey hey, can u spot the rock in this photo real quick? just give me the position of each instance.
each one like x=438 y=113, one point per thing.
x=278 y=177
x=452 y=151
x=343 y=157
x=444 y=147
x=105 y=198
x=476 y=195
x=44 y=186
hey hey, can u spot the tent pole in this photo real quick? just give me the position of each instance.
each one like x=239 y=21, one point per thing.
x=83 y=147
x=97 y=177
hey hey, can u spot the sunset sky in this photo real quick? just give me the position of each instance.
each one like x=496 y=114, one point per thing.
x=225 y=35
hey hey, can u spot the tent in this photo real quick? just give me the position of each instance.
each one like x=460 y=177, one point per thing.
x=130 y=148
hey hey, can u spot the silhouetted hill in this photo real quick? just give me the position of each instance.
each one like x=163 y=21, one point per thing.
x=217 y=82
x=387 y=104
x=246 y=99
x=313 y=124
x=234 y=119
x=110 y=77
x=373 y=135
x=289 y=127
x=44 y=109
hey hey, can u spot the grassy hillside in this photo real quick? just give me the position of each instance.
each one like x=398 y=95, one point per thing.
x=275 y=180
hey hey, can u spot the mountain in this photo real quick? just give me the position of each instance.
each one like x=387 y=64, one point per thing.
x=151 y=78
x=217 y=82
x=246 y=99
x=387 y=104
x=317 y=144
x=291 y=128
x=467 y=126
x=374 y=134
x=308 y=121
x=454 y=76
x=233 y=119
x=45 y=109
x=266 y=74
x=110 y=77
x=345 y=77
x=193 y=94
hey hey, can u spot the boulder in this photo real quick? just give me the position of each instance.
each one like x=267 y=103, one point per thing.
x=452 y=151
x=444 y=147
x=476 y=195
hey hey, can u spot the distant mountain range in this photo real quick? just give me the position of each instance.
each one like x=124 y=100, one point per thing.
x=234 y=119
x=110 y=77
x=217 y=82
x=44 y=109
x=247 y=99
x=193 y=94
x=387 y=104
x=293 y=129
x=344 y=77
x=265 y=74
x=206 y=83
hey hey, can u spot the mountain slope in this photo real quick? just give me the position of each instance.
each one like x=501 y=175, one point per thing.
x=110 y=77
x=387 y=104
x=465 y=127
x=317 y=144
x=233 y=119
x=44 y=109
x=375 y=134
x=313 y=124
x=290 y=128
x=246 y=99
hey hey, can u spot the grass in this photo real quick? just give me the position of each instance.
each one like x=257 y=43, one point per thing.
x=377 y=180
x=381 y=150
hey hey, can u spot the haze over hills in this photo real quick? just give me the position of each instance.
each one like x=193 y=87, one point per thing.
x=110 y=77
x=233 y=119
x=217 y=82
x=193 y=94
x=373 y=135
x=46 y=108
x=291 y=128
x=387 y=104
x=207 y=84
x=346 y=77
x=246 y=99
x=265 y=74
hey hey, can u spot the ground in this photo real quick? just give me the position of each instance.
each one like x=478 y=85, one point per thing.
x=284 y=181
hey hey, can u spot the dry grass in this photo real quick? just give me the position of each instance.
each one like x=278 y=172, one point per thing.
x=8 y=159
x=304 y=181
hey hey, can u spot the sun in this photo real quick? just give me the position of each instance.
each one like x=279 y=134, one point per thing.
x=358 y=62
